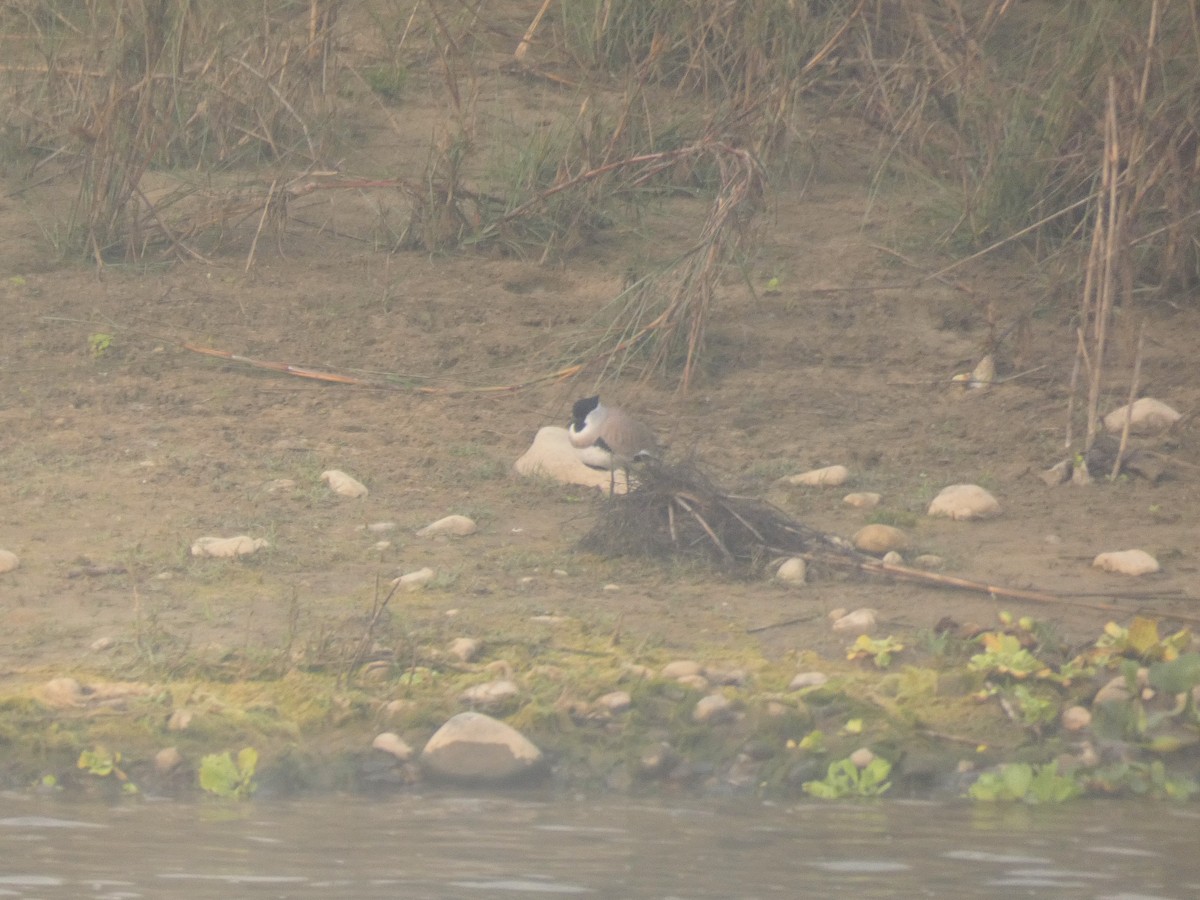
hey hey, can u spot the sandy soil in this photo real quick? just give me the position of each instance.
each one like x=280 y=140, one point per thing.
x=114 y=459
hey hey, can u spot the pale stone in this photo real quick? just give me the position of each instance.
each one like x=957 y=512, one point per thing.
x=553 y=456
x=860 y=621
x=877 y=538
x=62 y=693
x=804 y=680
x=1076 y=718
x=459 y=526
x=415 y=581
x=862 y=500
x=929 y=561
x=490 y=693
x=342 y=484
x=8 y=561
x=227 y=548
x=390 y=742
x=681 y=667
x=1115 y=690
x=713 y=709
x=611 y=588
x=167 y=760
x=862 y=757
x=1059 y=473
x=964 y=501
x=615 y=702
x=695 y=682
x=100 y=644
x=473 y=747
x=180 y=720
x=1127 y=562
x=829 y=476
x=1149 y=417
x=276 y=485
x=637 y=672
x=793 y=570
x=465 y=649
x=728 y=676
x=892 y=558
x=380 y=527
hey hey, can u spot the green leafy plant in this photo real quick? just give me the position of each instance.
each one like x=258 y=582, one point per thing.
x=104 y=763
x=844 y=779
x=877 y=650
x=1003 y=654
x=99 y=344
x=1142 y=779
x=1026 y=783
x=221 y=775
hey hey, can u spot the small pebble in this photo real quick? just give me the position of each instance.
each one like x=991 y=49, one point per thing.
x=342 y=484
x=615 y=702
x=490 y=693
x=878 y=538
x=459 y=526
x=964 y=501
x=8 y=561
x=227 y=548
x=806 y=680
x=829 y=476
x=680 y=668
x=862 y=757
x=713 y=709
x=860 y=621
x=415 y=581
x=1127 y=562
x=167 y=760
x=464 y=649
x=862 y=500
x=392 y=743
x=1076 y=718
x=792 y=571
x=381 y=527
x=929 y=561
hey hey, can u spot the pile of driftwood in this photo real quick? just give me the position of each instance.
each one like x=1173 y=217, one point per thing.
x=677 y=511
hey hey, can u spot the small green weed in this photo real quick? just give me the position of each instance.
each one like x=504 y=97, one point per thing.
x=222 y=776
x=844 y=779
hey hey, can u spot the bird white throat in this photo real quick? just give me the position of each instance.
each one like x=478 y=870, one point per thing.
x=607 y=437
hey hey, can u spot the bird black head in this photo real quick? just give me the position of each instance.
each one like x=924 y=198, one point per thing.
x=580 y=410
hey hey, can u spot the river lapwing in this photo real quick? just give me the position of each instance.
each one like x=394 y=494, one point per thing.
x=609 y=438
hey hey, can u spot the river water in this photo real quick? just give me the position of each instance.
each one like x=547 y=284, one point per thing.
x=456 y=846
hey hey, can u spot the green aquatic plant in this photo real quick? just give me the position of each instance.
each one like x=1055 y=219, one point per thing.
x=104 y=763
x=844 y=779
x=1022 y=782
x=879 y=650
x=221 y=775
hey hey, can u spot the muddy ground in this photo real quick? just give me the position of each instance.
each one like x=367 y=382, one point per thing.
x=117 y=452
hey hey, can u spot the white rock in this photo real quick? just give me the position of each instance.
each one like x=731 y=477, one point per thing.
x=877 y=538
x=793 y=570
x=553 y=456
x=713 y=709
x=415 y=581
x=464 y=649
x=472 y=747
x=680 y=668
x=829 y=476
x=8 y=561
x=615 y=702
x=859 y=621
x=380 y=527
x=964 y=501
x=392 y=743
x=459 y=526
x=167 y=760
x=226 y=548
x=807 y=680
x=892 y=558
x=100 y=644
x=490 y=693
x=862 y=500
x=1127 y=562
x=62 y=693
x=345 y=485
x=695 y=682
x=929 y=561
x=862 y=757
x=1149 y=416
x=1076 y=718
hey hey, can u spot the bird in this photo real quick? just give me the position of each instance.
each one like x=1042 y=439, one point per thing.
x=609 y=438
